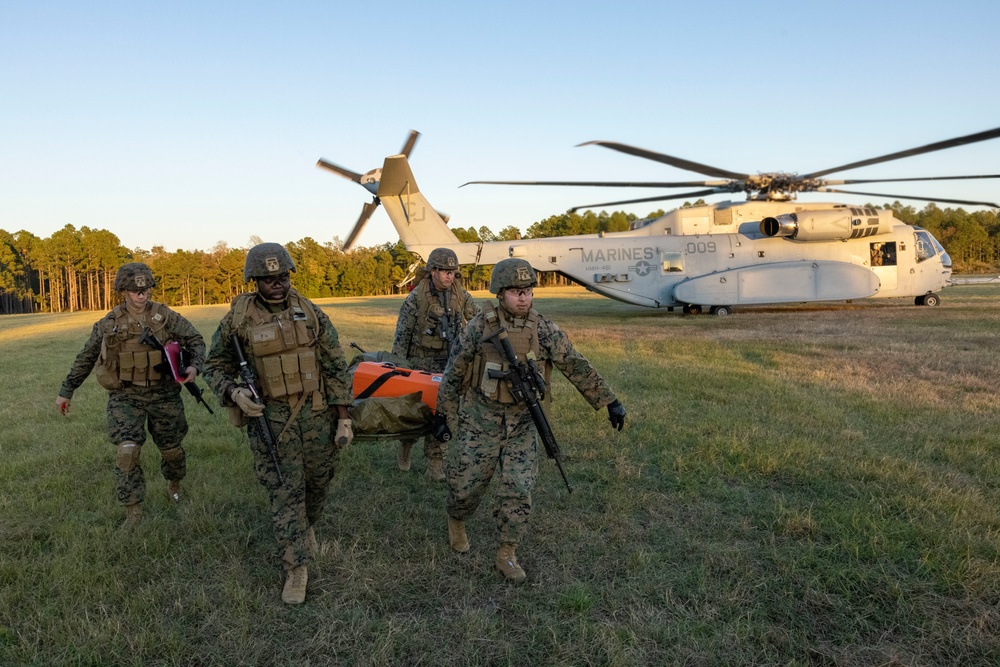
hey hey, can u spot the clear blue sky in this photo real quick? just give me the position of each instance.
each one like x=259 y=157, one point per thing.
x=184 y=124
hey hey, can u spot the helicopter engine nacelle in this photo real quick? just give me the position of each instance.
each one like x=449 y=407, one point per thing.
x=829 y=225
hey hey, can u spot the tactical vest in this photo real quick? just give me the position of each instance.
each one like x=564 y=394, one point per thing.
x=523 y=336
x=123 y=358
x=428 y=342
x=283 y=346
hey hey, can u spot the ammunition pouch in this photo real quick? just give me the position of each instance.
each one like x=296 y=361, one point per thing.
x=127 y=456
x=489 y=383
x=290 y=374
x=106 y=373
x=140 y=367
x=433 y=344
x=107 y=378
x=283 y=346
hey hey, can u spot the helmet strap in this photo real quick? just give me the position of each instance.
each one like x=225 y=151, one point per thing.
x=271 y=302
x=503 y=306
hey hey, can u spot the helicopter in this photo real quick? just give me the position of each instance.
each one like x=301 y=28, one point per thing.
x=768 y=249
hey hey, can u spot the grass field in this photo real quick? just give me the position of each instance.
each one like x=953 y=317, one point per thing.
x=794 y=486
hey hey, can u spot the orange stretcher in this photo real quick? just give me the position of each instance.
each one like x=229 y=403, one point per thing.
x=384 y=380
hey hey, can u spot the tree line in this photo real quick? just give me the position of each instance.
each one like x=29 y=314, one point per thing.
x=74 y=269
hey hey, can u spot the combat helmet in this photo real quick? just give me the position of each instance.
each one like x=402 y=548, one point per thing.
x=512 y=272
x=267 y=259
x=134 y=277
x=442 y=258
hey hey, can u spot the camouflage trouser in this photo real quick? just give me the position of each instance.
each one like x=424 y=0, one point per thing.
x=490 y=435
x=308 y=456
x=160 y=408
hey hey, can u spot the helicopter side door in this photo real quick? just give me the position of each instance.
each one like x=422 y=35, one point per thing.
x=885 y=262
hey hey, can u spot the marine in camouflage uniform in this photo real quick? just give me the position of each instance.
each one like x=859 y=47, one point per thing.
x=141 y=391
x=430 y=319
x=301 y=370
x=496 y=436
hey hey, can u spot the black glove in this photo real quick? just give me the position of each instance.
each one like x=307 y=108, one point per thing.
x=616 y=415
x=439 y=428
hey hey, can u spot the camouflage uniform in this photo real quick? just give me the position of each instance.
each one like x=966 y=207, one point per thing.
x=414 y=319
x=417 y=323
x=306 y=447
x=135 y=406
x=492 y=434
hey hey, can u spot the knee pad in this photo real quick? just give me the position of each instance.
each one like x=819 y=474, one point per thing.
x=172 y=454
x=128 y=456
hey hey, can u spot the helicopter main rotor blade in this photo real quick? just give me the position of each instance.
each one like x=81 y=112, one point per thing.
x=918 y=198
x=854 y=181
x=410 y=142
x=366 y=212
x=337 y=169
x=682 y=195
x=929 y=148
x=608 y=184
x=680 y=163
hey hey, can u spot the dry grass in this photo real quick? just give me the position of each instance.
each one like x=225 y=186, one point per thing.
x=796 y=485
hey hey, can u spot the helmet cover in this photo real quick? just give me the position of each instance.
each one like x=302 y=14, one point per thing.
x=267 y=259
x=513 y=272
x=134 y=277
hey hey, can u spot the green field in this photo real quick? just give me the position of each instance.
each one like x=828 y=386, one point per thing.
x=795 y=486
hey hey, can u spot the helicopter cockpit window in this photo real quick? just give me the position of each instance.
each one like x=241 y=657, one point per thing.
x=925 y=246
x=883 y=253
x=671 y=262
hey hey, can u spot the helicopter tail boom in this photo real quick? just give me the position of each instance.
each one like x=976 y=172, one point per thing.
x=415 y=220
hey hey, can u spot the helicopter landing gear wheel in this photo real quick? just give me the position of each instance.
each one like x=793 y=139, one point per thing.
x=931 y=300
x=692 y=309
x=721 y=311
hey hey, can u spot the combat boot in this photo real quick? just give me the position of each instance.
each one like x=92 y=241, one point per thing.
x=435 y=469
x=174 y=490
x=133 y=515
x=507 y=563
x=456 y=535
x=403 y=455
x=295 y=586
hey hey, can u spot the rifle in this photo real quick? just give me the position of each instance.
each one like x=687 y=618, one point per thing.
x=263 y=425
x=173 y=354
x=527 y=386
x=444 y=322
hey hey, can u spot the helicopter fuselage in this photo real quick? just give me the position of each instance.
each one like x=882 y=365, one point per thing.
x=716 y=256
x=723 y=254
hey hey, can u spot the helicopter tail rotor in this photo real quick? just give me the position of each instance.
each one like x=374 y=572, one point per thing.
x=337 y=169
x=366 y=212
x=369 y=181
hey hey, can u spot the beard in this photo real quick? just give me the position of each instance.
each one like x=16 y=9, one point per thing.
x=515 y=311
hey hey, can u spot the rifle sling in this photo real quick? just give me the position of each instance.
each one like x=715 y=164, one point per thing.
x=295 y=413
